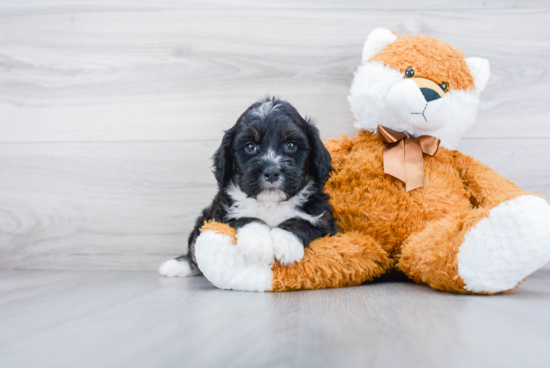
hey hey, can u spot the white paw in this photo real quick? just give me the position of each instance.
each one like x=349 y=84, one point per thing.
x=254 y=243
x=226 y=268
x=287 y=247
x=504 y=248
x=174 y=268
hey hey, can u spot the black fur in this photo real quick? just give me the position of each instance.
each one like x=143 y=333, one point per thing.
x=234 y=163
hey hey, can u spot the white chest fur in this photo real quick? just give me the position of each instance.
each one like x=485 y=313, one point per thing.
x=271 y=211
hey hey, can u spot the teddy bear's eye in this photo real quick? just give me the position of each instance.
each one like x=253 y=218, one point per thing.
x=444 y=86
x=409 y=73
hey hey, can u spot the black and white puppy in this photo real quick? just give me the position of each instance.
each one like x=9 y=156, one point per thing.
x=271 y=169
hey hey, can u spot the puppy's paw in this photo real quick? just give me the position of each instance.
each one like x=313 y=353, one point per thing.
x=255 y=244
x=287 y=247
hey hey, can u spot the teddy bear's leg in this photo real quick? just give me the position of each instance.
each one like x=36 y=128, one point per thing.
x=481 y=251
x=342 y=260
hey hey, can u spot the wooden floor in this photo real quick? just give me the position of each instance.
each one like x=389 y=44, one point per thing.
x=137 y=319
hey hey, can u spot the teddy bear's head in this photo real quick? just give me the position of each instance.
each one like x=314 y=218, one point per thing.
x=417 y=85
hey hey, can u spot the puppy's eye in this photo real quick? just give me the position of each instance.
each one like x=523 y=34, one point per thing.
x=444 y=86
x=409 y=73
x=290 y=146
x=250 y=148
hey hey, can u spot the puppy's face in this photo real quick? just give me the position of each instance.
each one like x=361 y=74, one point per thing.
x=272 y=153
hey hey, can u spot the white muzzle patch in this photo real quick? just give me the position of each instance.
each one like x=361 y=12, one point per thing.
x=407 y=102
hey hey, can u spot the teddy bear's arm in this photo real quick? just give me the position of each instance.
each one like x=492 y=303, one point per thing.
x=345 y=259
x=485 y=186
x=337 y=261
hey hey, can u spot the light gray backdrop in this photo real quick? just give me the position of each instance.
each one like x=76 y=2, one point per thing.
x=110 y=110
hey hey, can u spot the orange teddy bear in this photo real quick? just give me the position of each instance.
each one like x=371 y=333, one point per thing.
x=403 y=197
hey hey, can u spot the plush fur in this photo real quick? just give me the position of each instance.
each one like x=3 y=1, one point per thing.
x=271 y=168
x=224 y=266
x=467 y=230
x=381 y=94
x=430 y=58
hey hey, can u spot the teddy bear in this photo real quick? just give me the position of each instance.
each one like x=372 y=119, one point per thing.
x=404 y=198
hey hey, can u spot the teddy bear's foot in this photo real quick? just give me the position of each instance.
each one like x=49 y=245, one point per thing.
x=504 y=248
x=481 y=251
x=225 y=267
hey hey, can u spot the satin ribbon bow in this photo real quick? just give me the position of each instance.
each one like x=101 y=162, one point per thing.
x=403 y=156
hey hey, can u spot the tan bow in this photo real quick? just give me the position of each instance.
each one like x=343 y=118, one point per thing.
x=403 y=156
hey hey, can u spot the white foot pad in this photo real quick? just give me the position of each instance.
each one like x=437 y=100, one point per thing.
x=287 y=247
x=226 y=267
x=503 y=249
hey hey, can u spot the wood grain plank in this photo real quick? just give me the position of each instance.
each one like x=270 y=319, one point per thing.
x=131 y=205
x=524 y=161
x=55 y=6
x=185 y=74
x=138 y=319
x=87 y=205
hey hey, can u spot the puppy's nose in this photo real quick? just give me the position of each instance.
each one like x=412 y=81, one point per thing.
x=271 y=174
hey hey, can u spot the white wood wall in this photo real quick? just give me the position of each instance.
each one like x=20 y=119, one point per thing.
x=110 y=110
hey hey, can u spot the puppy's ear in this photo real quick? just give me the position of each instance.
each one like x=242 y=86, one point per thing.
x=320 y=157
x=223 y=159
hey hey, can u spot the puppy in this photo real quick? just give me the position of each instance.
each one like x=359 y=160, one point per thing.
x=271 y=169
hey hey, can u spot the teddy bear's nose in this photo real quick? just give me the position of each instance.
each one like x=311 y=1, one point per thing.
x=430 y=90
x=429 y=94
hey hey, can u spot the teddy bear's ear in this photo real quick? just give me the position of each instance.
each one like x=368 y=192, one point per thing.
x=480 y=71
x=377 y=40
